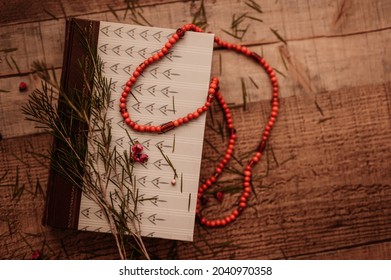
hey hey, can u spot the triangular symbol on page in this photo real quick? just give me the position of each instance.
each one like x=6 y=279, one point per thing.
x=165 y=91
x=144 y=35
x=146 y=143
x=158 y=164
x=154 y=200
x=103 y=48
x=86 y=212
x=128 y=69
x=149 y=108
x=113 y=86
x=140 y=199
x=116 y=49
x=137 y=106
x=142 y=181
x=118 y=31
x=105 y=30
x=99 y=214
x=151 y=90
x=152 y=219
x=163 y=109
x=131 y=33
x=142 y=52
x=129 y=51
x=157 y=35
x=114 y=68
x=111 y=103
x=169 y=55
x=138 y=88
x=160 y=144
x=167 y=73
x=153 y=72
x=120 y=141
x=156 y=182
x=121 y=123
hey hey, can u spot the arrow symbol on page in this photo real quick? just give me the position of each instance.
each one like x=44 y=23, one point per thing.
x=120 y=141
x=116 y=49
x=149 y=108
x=152 y=90
x=86 y=212
x=163 y=109
x=118 y=32
x=114 y=68
x=140 y=199
x=142 y=181
x=153 y=72
x=157 y=35
x=127 y=69
x=103 y=48
x=129 y=51
x=136 y=107
x=105 y=30
x=146 y=143
x=144 y=35
x=169 y=74
x=138 y=88
x=131 y=33
x=142 y=52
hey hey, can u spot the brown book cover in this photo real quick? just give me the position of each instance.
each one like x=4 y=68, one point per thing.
x=63 y=197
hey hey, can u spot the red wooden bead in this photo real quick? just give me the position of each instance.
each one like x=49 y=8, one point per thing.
x=155 y=57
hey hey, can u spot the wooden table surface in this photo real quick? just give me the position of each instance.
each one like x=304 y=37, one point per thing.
x=324 y=185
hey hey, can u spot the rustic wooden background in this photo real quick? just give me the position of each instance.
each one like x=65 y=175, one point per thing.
x=323 y=189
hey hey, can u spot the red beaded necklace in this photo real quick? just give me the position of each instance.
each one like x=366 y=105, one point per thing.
x=212 y=92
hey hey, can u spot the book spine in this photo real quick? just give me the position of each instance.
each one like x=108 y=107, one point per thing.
x=63 y=197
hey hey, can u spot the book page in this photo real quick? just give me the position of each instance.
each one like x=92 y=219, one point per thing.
x=171 y=88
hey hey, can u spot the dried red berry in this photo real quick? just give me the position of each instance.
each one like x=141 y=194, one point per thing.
x=219 y=196
x=36 y=255
x=22 y=86
x=137 y=148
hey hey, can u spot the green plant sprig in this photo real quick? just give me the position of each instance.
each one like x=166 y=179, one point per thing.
x=88 y=157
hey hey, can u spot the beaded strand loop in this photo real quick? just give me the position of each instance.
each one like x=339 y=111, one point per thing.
x=213 y=92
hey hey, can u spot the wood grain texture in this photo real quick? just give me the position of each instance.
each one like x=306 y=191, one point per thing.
x=323 y=188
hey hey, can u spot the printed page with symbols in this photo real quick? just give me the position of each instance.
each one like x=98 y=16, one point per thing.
x=167 y=90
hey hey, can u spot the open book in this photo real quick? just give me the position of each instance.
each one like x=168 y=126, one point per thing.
x=172 y=88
